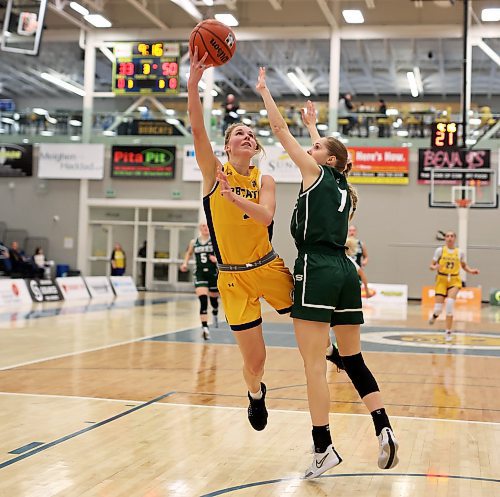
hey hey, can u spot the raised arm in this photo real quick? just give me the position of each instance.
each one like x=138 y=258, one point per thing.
x=187 y=256
x=309 y=119
x=205 y=157
x=308 y=168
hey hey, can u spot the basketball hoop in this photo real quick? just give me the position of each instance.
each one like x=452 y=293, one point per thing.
x=463 y=202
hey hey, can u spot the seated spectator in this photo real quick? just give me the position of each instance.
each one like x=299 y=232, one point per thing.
x=21 y=265
x=346 y=109
x=5 y=262
x=39 y=262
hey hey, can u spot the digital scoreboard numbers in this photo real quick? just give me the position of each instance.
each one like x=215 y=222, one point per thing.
x=444 y=135
x=146 y=68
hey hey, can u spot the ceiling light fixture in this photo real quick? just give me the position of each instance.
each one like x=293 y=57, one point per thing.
x=413 y=83
x=63 y=84
x=298 y=84
x=418 y=79
x=190 y=8
x=79 y=8
x=227 y=19
x=353 y=16
x=98 y=21
x=490 y=15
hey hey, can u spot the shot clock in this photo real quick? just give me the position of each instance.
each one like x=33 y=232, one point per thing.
x=444 y=135
x=146 y=68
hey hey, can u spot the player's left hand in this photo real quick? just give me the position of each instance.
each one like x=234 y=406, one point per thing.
x=308 y=114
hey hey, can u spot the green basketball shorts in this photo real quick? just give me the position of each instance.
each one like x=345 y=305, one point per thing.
x=326 y=289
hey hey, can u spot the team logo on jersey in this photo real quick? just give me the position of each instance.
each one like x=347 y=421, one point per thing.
x=254 y=184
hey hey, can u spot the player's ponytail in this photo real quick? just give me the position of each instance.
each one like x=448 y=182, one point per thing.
x=343 y=165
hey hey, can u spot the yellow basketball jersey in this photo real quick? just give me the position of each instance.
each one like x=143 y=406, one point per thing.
x=236 y=238
x=449 y=262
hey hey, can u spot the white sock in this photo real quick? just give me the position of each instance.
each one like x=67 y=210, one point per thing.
x=257 y=395
x=329 y=350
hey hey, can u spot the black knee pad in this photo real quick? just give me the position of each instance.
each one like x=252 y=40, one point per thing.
x=203 y=303
x=360 y=375
x=214 y=302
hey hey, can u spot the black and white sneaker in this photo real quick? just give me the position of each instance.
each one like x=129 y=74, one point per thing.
x=257 y=412
x=388 y=455
x=205 y=333
x=336 y=359
x=323 y=461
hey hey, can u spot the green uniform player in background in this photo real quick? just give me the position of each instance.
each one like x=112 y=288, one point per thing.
x=205 y=277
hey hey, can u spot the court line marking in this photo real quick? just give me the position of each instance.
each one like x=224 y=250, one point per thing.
x=286 y=411
x=80 y=432
x=346 y=475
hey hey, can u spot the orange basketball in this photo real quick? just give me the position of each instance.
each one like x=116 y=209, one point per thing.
x=215 y=38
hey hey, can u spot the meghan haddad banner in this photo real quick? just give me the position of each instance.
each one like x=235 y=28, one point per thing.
x=71 y=161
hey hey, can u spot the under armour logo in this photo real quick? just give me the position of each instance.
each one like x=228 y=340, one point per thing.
x=299 y=277
x=230 y=285
x=230 y=40
x=245 y=216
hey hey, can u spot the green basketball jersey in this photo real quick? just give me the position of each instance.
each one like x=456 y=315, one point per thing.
x=201 y=255
x=321 y=214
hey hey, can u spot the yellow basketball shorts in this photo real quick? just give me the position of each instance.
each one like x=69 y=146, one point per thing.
x=240 y=293
x=443 y=284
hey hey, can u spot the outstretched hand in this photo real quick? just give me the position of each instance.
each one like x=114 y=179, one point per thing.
x=225 y=187
x=197 y=66
x=261 y=80
x=308 y=114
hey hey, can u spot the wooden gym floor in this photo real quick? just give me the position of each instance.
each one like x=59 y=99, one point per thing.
x=124 y=399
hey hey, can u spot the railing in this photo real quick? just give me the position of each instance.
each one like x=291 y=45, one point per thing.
x=366 y=124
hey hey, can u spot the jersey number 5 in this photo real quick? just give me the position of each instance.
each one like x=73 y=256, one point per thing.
x=203 y=258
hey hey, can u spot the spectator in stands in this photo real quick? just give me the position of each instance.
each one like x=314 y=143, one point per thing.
x=39 y=262
x=383 y=130
x=5 y=262
x=142 y=254
x=118 y=261
x=231 y=106
x=21 y=264
x=346 y=108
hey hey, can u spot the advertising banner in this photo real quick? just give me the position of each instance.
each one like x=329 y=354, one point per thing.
x=468 y=296
x=16 y=160
x=71 y=161
x=14 y=292
x=190 y=169
x=372 y=165
x=124 y=286
x=387 y=293
x=445 y=161
x=379 y=165
x=44 y=290
x=143 y=162
x=99 y=287
x=73 y=288
x=149 y=127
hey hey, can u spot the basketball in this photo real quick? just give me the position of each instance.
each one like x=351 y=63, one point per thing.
x=215 y=38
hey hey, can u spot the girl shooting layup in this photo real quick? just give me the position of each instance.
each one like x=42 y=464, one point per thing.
x=239 y=205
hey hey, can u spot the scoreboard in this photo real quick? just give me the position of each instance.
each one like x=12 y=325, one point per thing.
x=444 y=135
x=146 y=68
